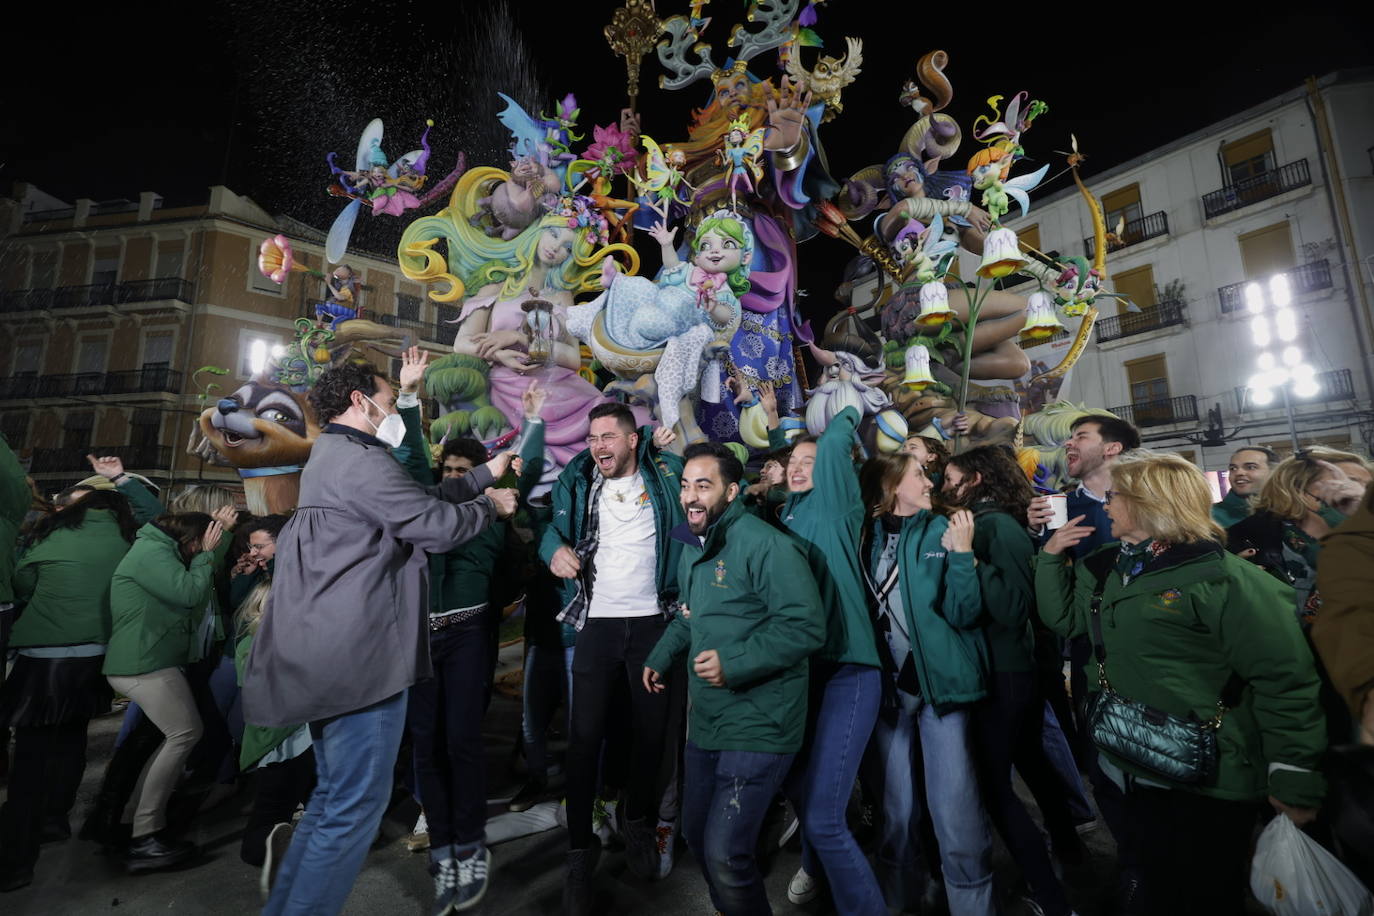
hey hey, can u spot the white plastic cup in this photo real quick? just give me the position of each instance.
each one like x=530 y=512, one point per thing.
x=1059 y=504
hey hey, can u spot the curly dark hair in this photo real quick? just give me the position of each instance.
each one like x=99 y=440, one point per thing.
x=333 y=393
x=470 y=449
x=1003 y=482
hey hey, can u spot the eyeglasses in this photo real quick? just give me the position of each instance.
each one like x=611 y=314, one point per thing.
x=1110 y=494
x=593 y=441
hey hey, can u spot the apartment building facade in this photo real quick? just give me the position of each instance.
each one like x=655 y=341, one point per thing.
x=111 y=312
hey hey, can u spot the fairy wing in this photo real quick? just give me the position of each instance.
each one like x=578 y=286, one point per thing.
x=336 y=245
x=656 y=172
x=1017 y=187
x=527 y=134
x=372 y=136
x=409 y=158
x=753 y=144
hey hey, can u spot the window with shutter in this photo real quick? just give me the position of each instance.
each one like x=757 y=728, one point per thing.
x=1266 y=251
x=1139 y=284
x=1148 y=378
x=1248 y=157
x=1122 y=204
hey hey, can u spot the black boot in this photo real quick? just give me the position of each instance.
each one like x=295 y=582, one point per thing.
x=578 y=889
x=156 y=851
x=641 y=847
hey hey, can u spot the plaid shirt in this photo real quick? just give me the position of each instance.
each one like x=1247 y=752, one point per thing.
x=575 y=612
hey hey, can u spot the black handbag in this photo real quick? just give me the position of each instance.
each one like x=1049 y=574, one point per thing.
x=1173 y=748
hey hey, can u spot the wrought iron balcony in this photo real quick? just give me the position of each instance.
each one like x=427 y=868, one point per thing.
x=1305 y=278
x=1159 y=413
x=1256 y=188
x=97 y=295
x=1150 y=226
x=1149 y=318
x=91 y=384
x=69 y=459
x=1334 y=385
x=412 y=324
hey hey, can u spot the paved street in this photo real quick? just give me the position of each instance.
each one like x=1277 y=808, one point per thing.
x=73 y=878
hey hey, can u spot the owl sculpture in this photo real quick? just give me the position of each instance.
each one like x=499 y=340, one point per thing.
x=829 y=77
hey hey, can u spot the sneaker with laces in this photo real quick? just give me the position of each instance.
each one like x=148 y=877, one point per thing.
x=418 y=841
x=666 y=835
x=603 y=820
x=473 y=873
x=274 y=850
x=803 y=888
x=445 y=874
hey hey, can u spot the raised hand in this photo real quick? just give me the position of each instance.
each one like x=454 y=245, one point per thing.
x=227 y=516
x=664 y=437
x=109 y=467
x=1068 y=536
x=413 y=362
x=660 y=233
x=532 y=399
x=958 y=537
x=210 y=540
x=504 y=500
x=768 y=398
x=786 y=117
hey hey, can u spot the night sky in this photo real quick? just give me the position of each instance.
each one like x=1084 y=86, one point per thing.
x=254 y=94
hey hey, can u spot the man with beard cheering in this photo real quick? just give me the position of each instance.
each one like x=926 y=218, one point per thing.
x=750 y=617
x=613 y=507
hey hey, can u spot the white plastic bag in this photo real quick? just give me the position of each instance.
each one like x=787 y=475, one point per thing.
x=1292 y=875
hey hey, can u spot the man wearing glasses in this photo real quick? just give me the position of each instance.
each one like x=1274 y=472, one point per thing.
x=613 y=508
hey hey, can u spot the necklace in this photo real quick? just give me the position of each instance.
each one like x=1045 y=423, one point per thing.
x=630 y=493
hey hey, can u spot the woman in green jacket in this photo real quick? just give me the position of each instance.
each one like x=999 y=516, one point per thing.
x=55 y=688
x=922 y=577
x=1186 y=627
x=157 y=593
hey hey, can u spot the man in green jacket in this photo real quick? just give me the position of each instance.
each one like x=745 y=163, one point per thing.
x=1249 y=469
x=14 y=503
x=750 y=618
x=613 y=506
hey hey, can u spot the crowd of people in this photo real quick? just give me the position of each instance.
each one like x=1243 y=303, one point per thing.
x=899 y=635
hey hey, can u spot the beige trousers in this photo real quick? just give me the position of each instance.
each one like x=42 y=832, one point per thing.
x=165 y=698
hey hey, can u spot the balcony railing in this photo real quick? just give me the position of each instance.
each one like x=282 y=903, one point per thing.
x=91 y=384
x=1159 y=413
x=72 y=459
x=1151 y=226
x=1149 y=318
x=1305 y=278
x=436 y=331
x=1335 y=385
x=96 y=295
x=1256 y=188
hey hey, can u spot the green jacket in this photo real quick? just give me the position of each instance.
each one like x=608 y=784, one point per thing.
x=1173 y=637
x=144 y=505
x=64 y=581
x=748 y=594
x=1006 y=558
x=258 y=740
x=1232 y=508
x=827 y=521
x=943 y=605
x=156 y=602
x=14 y=505
x=662 y=472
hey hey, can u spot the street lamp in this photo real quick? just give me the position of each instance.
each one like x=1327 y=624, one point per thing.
x=1278 y=328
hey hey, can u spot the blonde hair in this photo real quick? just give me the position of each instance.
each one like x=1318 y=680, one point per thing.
x=206 y=498
x=1336 y=456
x=1291 y=480
x=1168 y=496
x=249 y=614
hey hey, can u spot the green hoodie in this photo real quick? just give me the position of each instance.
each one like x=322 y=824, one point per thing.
x=14 y=504
x=64 y=581
x=156 y=602
x=827 y=521
x=944 y=611
x=748 y=594
x=1174 y=635
x=1232 y=508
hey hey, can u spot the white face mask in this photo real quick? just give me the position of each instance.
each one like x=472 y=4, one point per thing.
x=392 y=430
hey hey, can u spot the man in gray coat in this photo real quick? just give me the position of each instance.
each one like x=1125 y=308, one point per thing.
x=344 y=633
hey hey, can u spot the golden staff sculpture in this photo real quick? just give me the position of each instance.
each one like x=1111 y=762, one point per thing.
x=634 y=29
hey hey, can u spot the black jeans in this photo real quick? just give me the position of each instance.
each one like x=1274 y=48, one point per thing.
x=281 y=787
x=1194 y=851
x=1006 y=729
x=48 y=763
x=611 y=651
x=444 y=717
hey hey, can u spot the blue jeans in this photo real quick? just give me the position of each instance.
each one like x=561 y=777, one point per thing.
x=956 y=809
x=725 y=796
x=844 y=706
x=354 y=756
x=548 y=675
x=1059 y=753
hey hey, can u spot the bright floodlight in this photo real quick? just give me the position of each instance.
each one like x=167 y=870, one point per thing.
x=1278 y=377
x=1261 y=396
x=1266 y=361
x=257 y=356
x=1278 y=290
x=1291 y=356
x=1302 y=371
x=1286 y=323
x=1259 y=328
x=1254 y=297
x=278 y=350
x=1306 y=388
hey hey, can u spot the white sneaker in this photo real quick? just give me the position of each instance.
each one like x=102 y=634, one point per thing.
x=473 y=874
x=666 y=834
x=792 y=827
x=278 y=841
x=803 y=888
x=418 y=841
